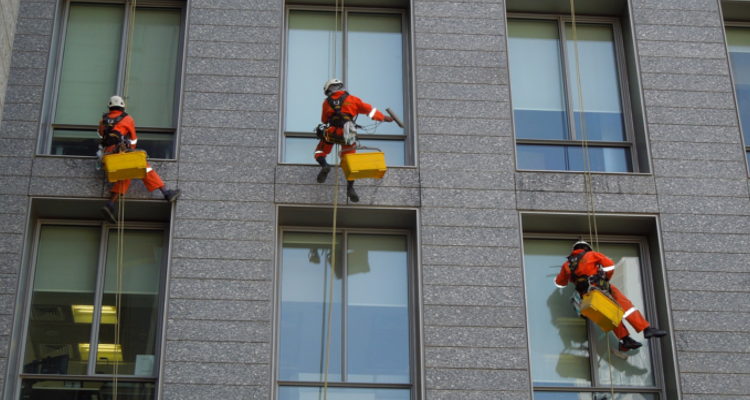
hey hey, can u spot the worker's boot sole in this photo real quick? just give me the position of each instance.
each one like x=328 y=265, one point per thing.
x=323 y=174
x=109 y=215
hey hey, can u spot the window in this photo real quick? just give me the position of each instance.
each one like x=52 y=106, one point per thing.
x=371 y=351
x=367 y=53
x=106 y=49
x=545 y=94
x=738 y=39
x=72 y=317
x=569 y=357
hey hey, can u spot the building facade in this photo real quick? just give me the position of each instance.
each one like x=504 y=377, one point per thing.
x=442 y=286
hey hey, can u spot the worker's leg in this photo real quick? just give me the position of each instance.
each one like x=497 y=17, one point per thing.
x=119 y=188
x=632 y=315
x=321 y=151
x=153 y=182
x=350 y=192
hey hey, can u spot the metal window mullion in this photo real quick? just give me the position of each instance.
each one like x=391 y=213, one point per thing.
x=98 y=300
x=625 y=101
x=344 y=303
x=649 y=294
x=405 y=92
x=567 y=81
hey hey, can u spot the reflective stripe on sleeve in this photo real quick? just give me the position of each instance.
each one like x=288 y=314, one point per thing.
x=632 y=310
x=607 y=269
x=372 y=113
x=134 y=141
x=561 y=287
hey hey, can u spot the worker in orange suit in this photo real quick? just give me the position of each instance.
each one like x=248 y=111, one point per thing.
x=117 y=129
x=340 y=110
x=583 y=263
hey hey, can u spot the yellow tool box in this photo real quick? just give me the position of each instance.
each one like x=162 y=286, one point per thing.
x=599 y=308
x=127 y=165
x=364 y=165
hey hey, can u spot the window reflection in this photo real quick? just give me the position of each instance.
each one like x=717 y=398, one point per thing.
x=371 y=306
x=563 y=360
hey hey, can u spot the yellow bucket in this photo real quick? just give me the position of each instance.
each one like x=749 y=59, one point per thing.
x=122 y=166
x=599 y=308
x=364 y=165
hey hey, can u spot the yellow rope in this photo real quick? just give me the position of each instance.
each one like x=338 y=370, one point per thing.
x=118 y=288
x=590 y=203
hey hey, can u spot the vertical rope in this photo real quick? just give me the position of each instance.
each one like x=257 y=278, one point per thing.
x=129 y=51
x=118 y=288
x=590 y=203
x=333 y=273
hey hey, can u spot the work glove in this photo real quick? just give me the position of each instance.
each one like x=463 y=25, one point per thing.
x=388 y=118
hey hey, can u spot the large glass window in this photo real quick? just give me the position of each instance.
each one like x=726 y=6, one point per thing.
x=109 y=49
x=366 y=51
x=572 y=358
x=370 y=353
x=545 y=92
x=738 y=39
x=77 y=326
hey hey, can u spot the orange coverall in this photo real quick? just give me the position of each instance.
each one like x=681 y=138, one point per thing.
x=352 y=106
x=126 y=127
x=588 y=266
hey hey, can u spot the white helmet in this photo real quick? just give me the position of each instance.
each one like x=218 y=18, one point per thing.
x=116 y=101
x=581 y=242
x=333 y=81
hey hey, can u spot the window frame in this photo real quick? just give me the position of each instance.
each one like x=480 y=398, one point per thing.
x=54 y=75
x=649 y=311
x=412 y=281
x=406 y=34
x=744 y=25
x=92 y=376
x=624 y=86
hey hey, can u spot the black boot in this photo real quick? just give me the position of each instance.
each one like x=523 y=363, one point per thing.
x=109 y=214
x=627 y=343
x=350 y=192
x=650 y=332
x=172 y=195
x=324 y=170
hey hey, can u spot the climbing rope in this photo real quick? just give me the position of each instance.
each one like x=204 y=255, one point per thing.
x=121 y=214
x=333 y=273
x=590 y=203
x=118 y=288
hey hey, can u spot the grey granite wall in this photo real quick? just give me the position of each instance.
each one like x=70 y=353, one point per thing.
x=220 y=294
x=8 y=14
x=702 y=186
x=18 y=131
x=475 y=339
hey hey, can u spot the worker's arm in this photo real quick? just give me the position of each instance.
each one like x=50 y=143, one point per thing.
x=100 y=130
x=128 y=125
x=326 y=114
x=563 y=277
x=608 y=266
x=370 y=111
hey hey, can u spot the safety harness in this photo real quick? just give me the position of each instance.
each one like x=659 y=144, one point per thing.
x=339 y=119
x=583 y=282
x=109 y=135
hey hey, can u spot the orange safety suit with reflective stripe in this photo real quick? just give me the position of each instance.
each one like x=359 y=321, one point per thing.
x=589 y=265
x=353 y=106
x=126 y=127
